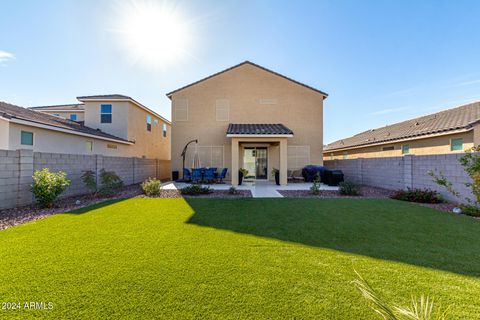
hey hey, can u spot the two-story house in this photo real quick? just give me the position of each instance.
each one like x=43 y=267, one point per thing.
x=112 y=125
x=248 y=117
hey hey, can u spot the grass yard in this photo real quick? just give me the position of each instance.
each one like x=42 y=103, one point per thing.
x=238 y=259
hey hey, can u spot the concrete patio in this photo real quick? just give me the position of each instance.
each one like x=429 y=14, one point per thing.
x=259 y=189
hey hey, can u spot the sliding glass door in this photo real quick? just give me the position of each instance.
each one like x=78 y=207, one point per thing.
x=256 y=162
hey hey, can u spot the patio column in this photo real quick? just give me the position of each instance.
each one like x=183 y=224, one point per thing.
x=283 y=162
x=235 y=147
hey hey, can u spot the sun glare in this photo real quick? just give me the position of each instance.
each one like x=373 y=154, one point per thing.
x=153 y=33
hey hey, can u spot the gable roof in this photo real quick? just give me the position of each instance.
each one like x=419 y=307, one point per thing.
x=169 y=95
x=12 y=112
x=121 y=97
x=258 y=128
x=460 y=118
x=63 y=107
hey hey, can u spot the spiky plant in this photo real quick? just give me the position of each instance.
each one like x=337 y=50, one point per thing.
x=420 y=309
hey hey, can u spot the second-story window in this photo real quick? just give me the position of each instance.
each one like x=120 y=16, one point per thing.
x=164 y=127
x=149 y=123
x=73 y=117
x=106 y=113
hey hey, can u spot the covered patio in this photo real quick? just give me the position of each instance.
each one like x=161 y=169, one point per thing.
x=259 y=189
x=261 y=148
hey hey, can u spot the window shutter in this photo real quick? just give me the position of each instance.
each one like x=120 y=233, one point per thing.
x=222 y=109
x=180 y=109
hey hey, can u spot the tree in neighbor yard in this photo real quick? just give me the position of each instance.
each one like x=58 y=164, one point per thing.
x=471 y=164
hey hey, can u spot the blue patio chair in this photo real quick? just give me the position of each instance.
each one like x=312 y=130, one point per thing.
x=223 y=174
x=187 y=176
x=209 y=174
x=196 y=175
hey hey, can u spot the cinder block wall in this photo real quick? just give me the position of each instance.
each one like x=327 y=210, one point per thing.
x=17 y=168
x=406 y=172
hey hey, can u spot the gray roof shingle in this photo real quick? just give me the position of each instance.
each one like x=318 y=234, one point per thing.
x=10 y=111
x=462 y=117
x=258 y=128
x=72 y=107
x=105 y=96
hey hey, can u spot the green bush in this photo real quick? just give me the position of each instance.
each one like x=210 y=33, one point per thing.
x=232 y=190
x=152 y=187
x=195 y=190
x=417 y=195
x=470 y=210
x=315 y=188
x=89 y=180
x=47 y=186
x=348 y=188
x=110 y=183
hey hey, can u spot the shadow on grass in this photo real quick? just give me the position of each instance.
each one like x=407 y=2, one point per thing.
x=92 y=207
x=383 y=229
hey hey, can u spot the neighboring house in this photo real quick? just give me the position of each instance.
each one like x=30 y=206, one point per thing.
x=248 y=117
x=448 y=131
x=113 y=125
x=75 y=112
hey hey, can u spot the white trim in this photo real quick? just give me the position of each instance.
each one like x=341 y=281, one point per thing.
x=128 y=100
x=400 y=140
x=259 y=135
x=53 y=128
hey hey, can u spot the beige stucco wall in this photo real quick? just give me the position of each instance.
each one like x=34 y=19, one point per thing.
x=129 y=122
x=66 y=115
x=150 y=144
x=427 y=146
x=45 y=140
x=4 y=134
x=297 y=107
x=119 y=125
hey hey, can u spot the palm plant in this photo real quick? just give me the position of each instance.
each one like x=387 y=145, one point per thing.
x=419 y=309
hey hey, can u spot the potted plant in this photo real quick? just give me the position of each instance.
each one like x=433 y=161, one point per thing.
x=276 y=174
x=242 y=173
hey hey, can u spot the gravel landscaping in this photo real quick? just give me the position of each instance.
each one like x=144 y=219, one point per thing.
x=14 y=216
x=365 y=192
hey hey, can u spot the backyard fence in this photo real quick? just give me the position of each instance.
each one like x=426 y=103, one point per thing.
x=409 y=171
x=18 y=166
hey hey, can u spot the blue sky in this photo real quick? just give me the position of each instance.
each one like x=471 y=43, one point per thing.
x=380 y=61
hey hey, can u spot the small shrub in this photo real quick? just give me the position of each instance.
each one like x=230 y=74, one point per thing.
x=470 y=210
x=232 y=190
x=195 y=190
x=152 y=187
x=47 y=186
x=348 y=188
x=417 y=195
x=315 y=188
x=244 y=172
x=110 y=183
x=89 y=180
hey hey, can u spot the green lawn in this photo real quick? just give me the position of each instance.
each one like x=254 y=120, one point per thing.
x=236 y=259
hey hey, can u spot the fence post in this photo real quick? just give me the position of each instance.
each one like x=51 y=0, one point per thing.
x=98 y=167
x=408 y=171
x=25 y=173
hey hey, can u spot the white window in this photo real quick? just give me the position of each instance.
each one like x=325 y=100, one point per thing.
x=222 y=109
x=149 y=123
x=89 y=146
x=164 y=129
x=180 y=110
x=210 y=156
x=298 y=157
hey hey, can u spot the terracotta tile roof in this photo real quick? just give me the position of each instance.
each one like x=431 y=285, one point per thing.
x=258 y=128
x=11 y=111
x=239 y=65
x=458 y=118
x=73 y=107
